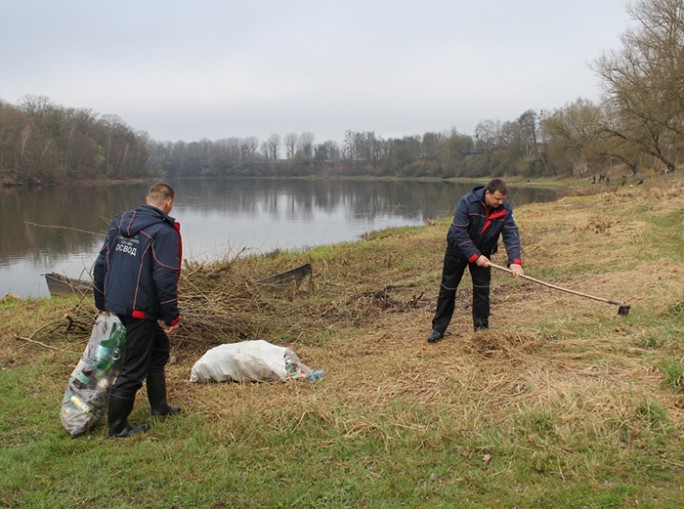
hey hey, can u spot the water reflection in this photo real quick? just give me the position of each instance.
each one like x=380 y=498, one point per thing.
x=61 y=229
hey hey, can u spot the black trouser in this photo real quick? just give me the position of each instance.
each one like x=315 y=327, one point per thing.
x=454 y=266
x=147 y=351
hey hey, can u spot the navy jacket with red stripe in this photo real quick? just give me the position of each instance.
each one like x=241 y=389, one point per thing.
x=476 y=228
x=136 y=273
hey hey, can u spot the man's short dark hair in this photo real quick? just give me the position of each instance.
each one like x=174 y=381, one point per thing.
x=497 y=185
x=160 y=192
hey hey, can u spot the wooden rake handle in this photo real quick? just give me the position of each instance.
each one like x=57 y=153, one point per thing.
x=574 y=292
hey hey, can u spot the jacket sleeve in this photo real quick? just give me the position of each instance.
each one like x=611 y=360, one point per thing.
x=458 y=236
x=511 y=238
x=165 y=272
x=99 y=272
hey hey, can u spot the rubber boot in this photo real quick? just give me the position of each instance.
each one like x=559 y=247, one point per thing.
x=156 y=394
x=120 y=406
x=480 y=323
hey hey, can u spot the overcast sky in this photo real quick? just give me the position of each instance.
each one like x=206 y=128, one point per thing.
x=236 y=68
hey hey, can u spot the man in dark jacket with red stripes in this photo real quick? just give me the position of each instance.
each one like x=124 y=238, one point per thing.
x=480 y=218
x=136 y=277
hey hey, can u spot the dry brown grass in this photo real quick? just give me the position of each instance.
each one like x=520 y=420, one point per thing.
x=377 y=356
x=365 y=315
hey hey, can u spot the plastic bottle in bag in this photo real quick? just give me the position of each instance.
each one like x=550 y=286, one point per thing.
x=79 y=403
x=108 y=351
x=293 y=365
x=85 y=379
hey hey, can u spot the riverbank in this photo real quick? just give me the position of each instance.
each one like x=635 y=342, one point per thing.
x=563 y=403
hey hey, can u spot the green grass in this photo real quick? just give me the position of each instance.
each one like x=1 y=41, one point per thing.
x=188 y=462
x=668 y=236
x=674 y=374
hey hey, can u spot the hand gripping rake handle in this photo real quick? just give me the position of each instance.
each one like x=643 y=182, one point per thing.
x=623 y=309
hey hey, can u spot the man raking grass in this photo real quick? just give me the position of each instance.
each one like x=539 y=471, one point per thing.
x=481 y=217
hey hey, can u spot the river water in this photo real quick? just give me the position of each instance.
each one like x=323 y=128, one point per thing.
x=61 y=229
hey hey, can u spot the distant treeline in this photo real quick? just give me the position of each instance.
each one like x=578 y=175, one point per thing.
x=41 y=142
x=44 y=143
x=498 y=149
x=638 y=124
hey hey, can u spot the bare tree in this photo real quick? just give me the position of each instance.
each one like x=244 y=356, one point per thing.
x=248 y=147
x=305 y=144
x=36 y=105
x=273 y=146
x=264 y=149
x=290 y=142
x=488 y=135
x=574 y=136
x=327 y=151
x=644 y=81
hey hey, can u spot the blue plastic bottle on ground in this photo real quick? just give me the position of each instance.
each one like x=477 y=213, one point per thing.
x=315 y=375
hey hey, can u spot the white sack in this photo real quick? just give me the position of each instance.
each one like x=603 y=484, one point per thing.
x=247 y=361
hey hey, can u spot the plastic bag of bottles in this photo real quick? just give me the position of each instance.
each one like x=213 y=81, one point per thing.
x=87 y=394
